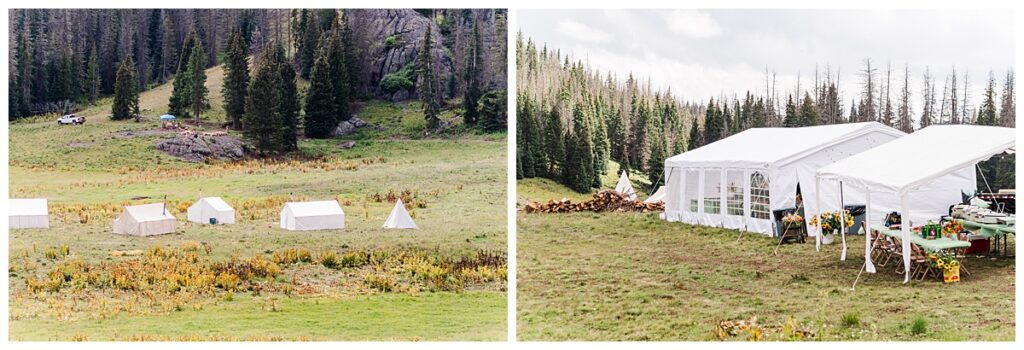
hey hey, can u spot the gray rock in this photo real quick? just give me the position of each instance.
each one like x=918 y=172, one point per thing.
x=344 y=129
x=200 y=148
x=357 y=122
x=400 y=95
x=347 y=144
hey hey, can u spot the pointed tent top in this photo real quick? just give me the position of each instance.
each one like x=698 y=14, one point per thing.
x=625 y=187
x=399 y=217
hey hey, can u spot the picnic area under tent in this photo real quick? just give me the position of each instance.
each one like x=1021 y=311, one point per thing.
x=211 y=210
x=625 y=187
x=920 y=171
x=145 y=220
x=315 y=215
x=399 y=217
x=27 y=213
x=658 y=196
x=762 y=168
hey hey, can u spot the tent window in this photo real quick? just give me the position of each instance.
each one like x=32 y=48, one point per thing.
x=692 y=193
x=734 y=201
x=712 y=192
x=759 y=196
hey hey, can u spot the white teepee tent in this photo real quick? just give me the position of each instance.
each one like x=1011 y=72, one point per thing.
x=658 y=196
x=625 y=187
x=399 y=217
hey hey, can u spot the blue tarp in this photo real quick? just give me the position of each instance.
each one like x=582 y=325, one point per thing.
x=167 y=117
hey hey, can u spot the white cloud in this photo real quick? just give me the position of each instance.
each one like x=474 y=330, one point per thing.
x=692 y=23
x=582 y=32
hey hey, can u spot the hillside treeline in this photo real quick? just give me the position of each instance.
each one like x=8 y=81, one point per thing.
x=62 y=59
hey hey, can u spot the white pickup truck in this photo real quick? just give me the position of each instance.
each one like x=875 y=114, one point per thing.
x=70 y=119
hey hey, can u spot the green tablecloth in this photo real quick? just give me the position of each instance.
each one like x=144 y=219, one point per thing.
x=988 y=230
x=929 y=245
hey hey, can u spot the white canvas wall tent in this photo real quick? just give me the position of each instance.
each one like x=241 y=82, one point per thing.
x=315 y=215
x=738 y=181
x=211 y=210
x=399 y=217
x=625 y=187
x=145 y=220
x=919 y=171
x=28 y=213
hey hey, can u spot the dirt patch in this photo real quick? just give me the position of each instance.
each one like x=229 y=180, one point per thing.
x=199 y=148
x=81 y=144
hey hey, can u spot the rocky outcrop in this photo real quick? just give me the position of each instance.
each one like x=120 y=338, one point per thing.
x=393 y=39
x=350 y=126
x=200 y=148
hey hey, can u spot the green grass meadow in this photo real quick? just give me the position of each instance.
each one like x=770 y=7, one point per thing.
x=458 y=181
x=632 y=276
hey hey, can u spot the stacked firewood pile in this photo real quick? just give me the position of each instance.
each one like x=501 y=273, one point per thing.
x=605 y=200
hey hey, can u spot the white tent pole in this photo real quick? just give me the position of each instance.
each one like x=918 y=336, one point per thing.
x=817 y=204
x=905 y=227
x=869 y=266
x=842 y=220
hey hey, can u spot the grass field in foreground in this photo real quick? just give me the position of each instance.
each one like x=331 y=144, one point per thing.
x=466 y=316
x=88 y=172
x=625 y=276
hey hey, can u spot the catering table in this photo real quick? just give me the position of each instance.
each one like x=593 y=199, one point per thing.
x=929 y=245
x=991 y=231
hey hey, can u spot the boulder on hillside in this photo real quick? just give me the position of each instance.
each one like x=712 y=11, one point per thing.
x=200 y=148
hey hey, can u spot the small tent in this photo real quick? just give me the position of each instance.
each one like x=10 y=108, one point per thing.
x=658 y=196
x=924 y=173
x=145 y=220
x=399 y=217
x=28 y=213
x=625 y=187
x=211 y=210
x=737 y=182
x=316 y=215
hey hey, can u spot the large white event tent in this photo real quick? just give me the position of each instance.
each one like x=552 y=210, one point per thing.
x=760 y=169
x=316 y=215
x=145 y=220
x=919 y=171
x=27 y=213
x=211 y=210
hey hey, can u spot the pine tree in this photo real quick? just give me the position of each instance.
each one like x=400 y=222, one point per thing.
x=712 y=123
x=808 y=112
x=579 y=157
x=308 y=49
x=197 y=99
x=987 y=113
x=339 y=75
x=791 y=119
x=554 y=145
x=493 y=110
x=126 y=94
x=427 y=84
x=261 y=122
x=696 y=136
x=288 y=100
x=321 y=117
x=348 y=42
x=525 y=161
x=179 y=103
x=236 y=79
x=168 y=54
x=474 y=68
x=655 y=164
x=1008 y=102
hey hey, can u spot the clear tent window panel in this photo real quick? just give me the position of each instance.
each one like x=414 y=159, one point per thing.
x=712 y=192
x=734 y=192
x=759 y=195
x=692 y=193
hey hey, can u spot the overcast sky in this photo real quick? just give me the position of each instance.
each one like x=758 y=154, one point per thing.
x=707 y=53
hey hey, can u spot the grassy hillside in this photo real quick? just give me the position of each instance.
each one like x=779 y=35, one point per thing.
x=89 y=172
